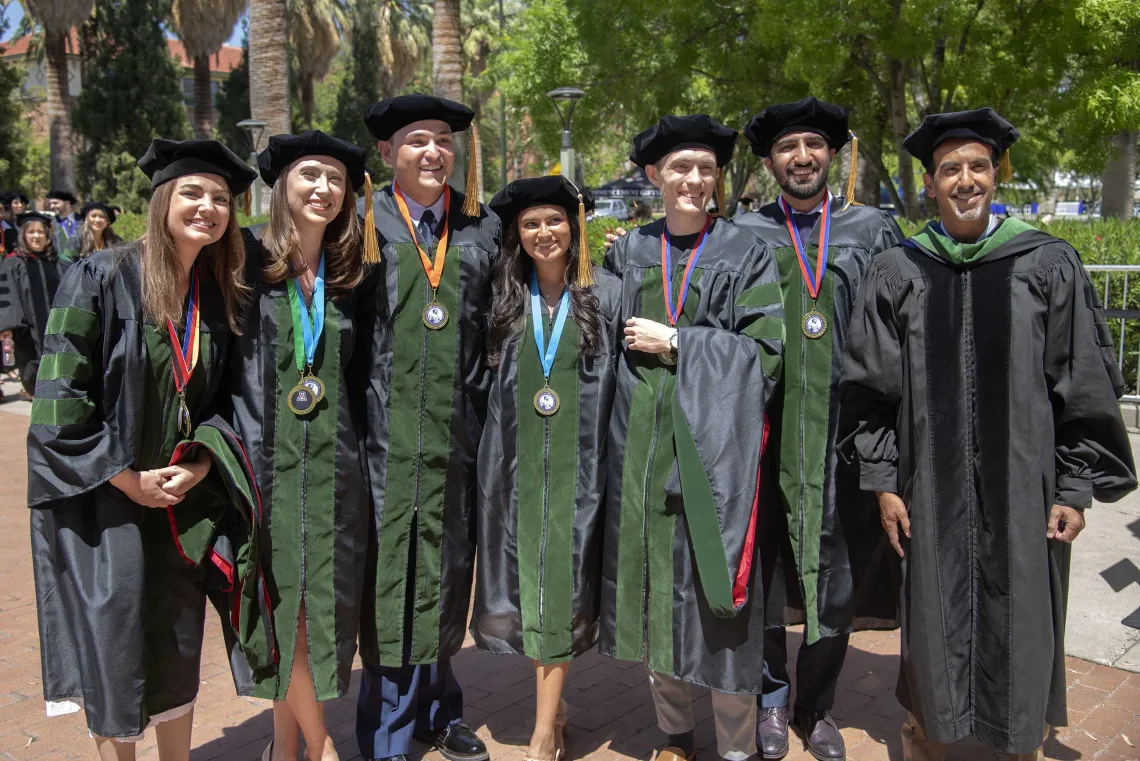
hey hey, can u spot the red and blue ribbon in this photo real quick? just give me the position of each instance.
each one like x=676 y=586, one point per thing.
x=186 y=350
x=667 y=272
x=813 y=277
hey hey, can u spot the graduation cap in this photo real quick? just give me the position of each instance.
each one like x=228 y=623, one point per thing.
x=63 y=195
x=33 y=216
x=982 y=125
x=92 y=206
x=390 y=115
x=810 y=114
x=283 y=150
x=674 y=133
x=552 y=190
x=166 y=160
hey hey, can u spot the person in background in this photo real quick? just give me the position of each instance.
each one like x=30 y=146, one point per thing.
x=62 y=203
x=553 y=343
x=95 y=234
x=28 y=282
x=8 y=232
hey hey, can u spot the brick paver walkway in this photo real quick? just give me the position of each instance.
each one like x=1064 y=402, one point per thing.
x=611 y=713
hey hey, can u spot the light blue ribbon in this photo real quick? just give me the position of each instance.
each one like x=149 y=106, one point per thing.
x=547 y=351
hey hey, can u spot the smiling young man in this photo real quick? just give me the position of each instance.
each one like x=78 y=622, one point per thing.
x=426 y=402
x=703 y=333
x=820 y=539
x=979 y=397
x=63 y=203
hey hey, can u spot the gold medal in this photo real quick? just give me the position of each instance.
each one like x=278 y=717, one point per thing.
x=316 y=387
x=814 y=324
x=185 y=426
x=546 y=402
x=435 y=315
x=302 y=401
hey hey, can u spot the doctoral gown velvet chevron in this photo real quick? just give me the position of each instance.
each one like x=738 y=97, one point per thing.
x=310 y=476
x=679 y=582
x=120 y=611
x=542 y=484
x=826 y=561
x=426 y=401
x=27 y=287
x=983 y=393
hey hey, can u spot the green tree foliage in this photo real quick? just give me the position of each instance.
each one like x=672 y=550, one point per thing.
x=14 y=148
x=132 y=94
x=360 y=87
x=232 y=104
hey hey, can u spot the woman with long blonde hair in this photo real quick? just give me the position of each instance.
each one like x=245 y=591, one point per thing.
x=134 y=352
x=95 y=233
x=293 y=386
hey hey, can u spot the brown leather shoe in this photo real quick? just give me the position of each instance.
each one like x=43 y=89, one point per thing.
x=673 y=753
x=772 y=733
x=821 y=735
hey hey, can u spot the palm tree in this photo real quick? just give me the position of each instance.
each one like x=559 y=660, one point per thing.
x=1119 y=178
x=402 y=32
x=57 y=17
x=447 y=66
x=203 y=26
x=314 y=34
x=268 y=67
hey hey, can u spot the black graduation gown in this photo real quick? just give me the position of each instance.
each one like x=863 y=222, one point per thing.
x=426 y=400
x=542 y=490
x=309 y=473
x=27 y=287
x=821 y=538
x=679 y=587
x=120 y=611
x=1006 y=360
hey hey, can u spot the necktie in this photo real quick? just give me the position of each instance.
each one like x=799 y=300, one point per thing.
x=426 y=228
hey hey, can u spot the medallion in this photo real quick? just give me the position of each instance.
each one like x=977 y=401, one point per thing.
x=546 y=402
x=814 y=324
x=301 y=400
x=435 y=315
x=316 y=387
x=184 y=424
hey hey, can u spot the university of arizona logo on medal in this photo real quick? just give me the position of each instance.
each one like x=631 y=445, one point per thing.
x=546 y=402
x=301 y=400
x=435 y=316
x=814 y=324
x=316 y=387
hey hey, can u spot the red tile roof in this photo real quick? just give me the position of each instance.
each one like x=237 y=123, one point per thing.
x=224 y=61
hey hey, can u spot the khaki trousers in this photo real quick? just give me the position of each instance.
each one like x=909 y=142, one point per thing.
x=917 y=747
x=734 y=715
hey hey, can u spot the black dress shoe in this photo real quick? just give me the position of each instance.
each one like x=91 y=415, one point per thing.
x=458 y=743
x=772 y=733
x=400 y=757
x=821 y=735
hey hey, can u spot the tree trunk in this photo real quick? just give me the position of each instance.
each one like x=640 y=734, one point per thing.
x=447 y=70
x=203 y=99
x=59 y=111
x=900 y=126
x=867 y=183
x=1119 y=178
x=268 y=68
x=305 y=85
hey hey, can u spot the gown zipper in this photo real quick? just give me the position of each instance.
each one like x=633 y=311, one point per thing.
x=545 y=528
x=971 y=444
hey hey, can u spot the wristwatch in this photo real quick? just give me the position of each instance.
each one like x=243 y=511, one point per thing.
x=670 y=357
x=673 y=342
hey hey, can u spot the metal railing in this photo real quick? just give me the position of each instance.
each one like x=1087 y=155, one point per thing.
x=1119 y=289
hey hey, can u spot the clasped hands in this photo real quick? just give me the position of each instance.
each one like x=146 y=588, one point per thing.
x=1064 y=522
x=162 y=487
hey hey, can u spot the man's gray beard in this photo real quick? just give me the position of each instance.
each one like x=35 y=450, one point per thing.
x=803 y=192
x=970 y=215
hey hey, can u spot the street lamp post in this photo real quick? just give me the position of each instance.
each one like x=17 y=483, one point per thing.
x=570 y=97
x=254 y=129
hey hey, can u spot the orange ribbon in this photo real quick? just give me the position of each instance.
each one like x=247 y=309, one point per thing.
x=433 y=269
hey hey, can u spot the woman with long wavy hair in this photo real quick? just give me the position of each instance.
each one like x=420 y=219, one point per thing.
x=28 y=282
x=552 y=344
x=95 y=232
x=134 y=351
x=293 y=386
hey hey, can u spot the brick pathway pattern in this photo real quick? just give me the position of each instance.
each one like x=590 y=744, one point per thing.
x=611 y=711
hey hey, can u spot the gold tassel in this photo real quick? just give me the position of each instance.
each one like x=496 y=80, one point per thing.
x=471 y=203
x=852 y=172
x=720 y=202
x=585 y=266
x=245 y=202
x=1005 y=168
x=371 y=245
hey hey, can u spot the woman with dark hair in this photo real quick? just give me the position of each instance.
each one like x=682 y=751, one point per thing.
x=293 y=389
x=95 y=234
x=135 y=346
x=28 y=282
x=553 y=342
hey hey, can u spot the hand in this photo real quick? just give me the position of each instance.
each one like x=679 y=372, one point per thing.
x=6 y=335
x=1065 y=523
x=647 y=336
x=144 y=488
x=893 y=516
x=611 y=237
x=183 y=477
